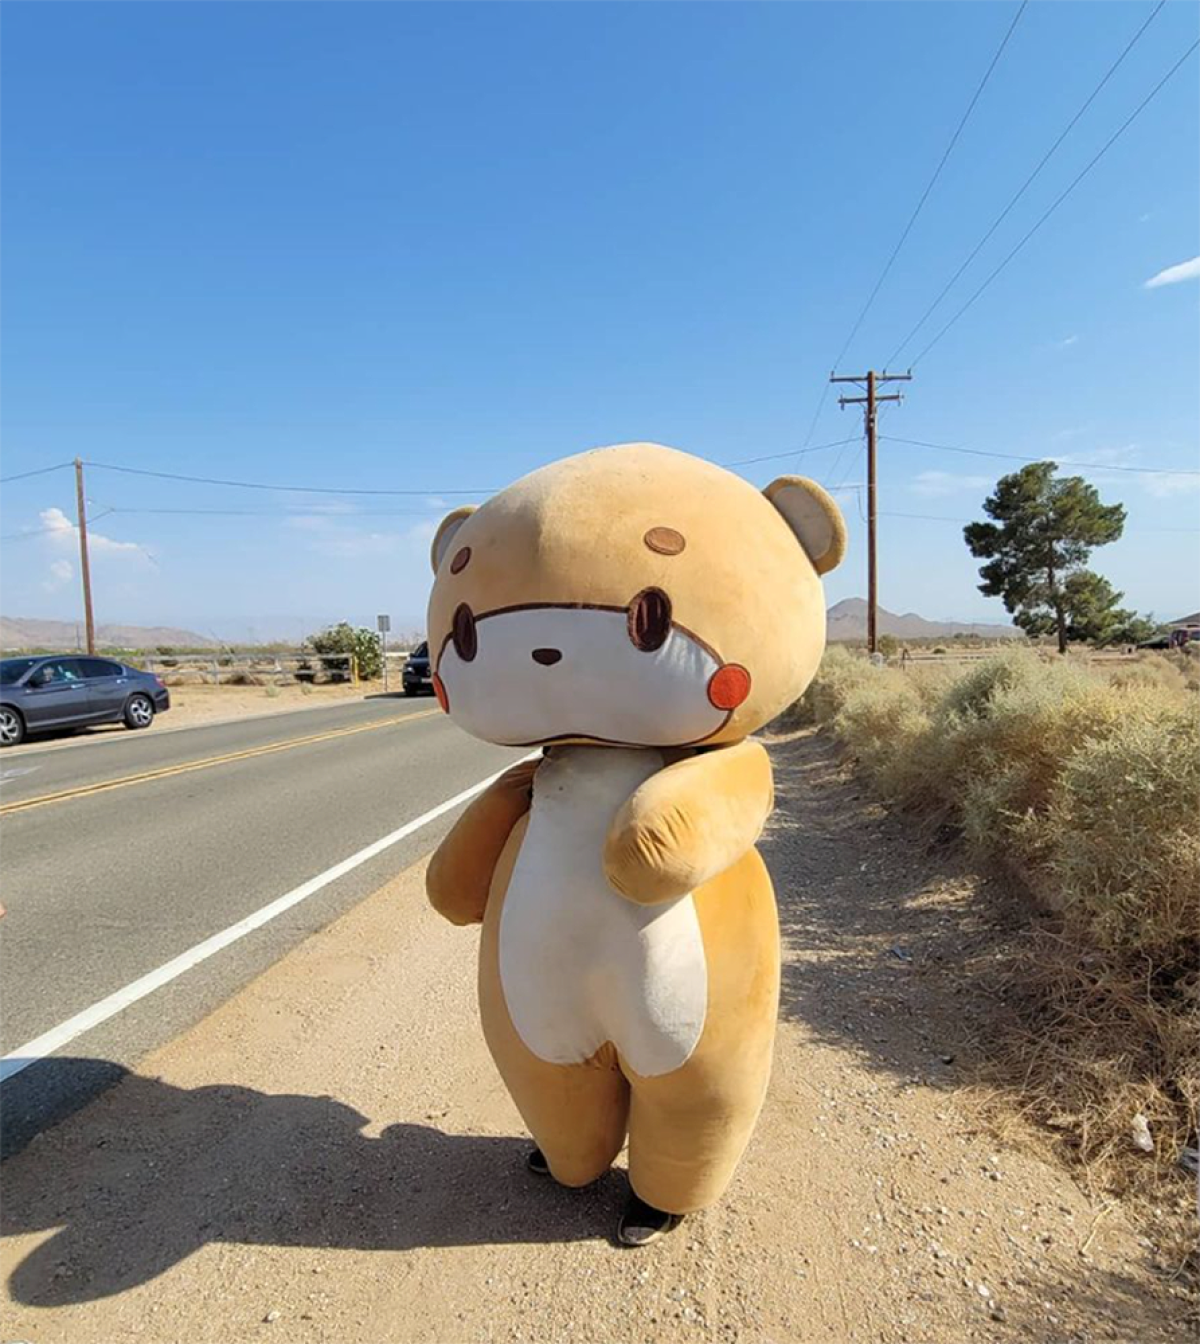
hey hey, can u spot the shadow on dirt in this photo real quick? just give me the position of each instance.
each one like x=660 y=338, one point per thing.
x=154 y=1172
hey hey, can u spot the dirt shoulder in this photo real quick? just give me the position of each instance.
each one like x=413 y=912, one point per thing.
x=331 y=1156
x=191 y=705
x=197 y=706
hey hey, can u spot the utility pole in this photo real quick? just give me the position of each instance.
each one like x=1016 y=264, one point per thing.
x=85 y=569
x=870 y=402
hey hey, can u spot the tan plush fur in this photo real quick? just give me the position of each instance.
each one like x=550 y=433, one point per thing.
x=564 y=552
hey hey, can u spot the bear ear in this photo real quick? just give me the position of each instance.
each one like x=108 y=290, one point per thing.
x=813 y=517
x=447 y=530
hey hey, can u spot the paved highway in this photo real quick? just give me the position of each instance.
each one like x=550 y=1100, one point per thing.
x=123 y=854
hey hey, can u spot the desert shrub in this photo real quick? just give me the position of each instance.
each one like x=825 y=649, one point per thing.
x=840 y=673
x=347 y=639
x=1160 y=671
x=1122 y=834
x=1084 y=785
x=1014 y=670
x=1004 y=752
x=882 y=720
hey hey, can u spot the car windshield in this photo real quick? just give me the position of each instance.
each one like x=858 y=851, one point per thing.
x=421 y=651
x=13 y=669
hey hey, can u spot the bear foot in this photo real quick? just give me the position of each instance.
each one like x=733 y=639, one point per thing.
x=642 y=1223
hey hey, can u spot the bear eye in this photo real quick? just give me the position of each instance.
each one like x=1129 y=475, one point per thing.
x=462 y=632
x=665 y=540
x=649 y=619
x=461 y=560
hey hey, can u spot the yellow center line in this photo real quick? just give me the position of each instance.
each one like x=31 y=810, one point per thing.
x=23 y=804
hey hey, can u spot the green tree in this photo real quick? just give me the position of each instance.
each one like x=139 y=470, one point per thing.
x=1044 y=530
x=1090 y=602
x=1133 y=628
x=348 y=639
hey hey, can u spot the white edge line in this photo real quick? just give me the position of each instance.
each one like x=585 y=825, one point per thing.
x=54 y=1039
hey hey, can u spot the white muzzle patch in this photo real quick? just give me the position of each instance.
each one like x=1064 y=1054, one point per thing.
x=602 y=687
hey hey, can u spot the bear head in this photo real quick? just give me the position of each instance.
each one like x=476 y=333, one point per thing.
x=630 y=596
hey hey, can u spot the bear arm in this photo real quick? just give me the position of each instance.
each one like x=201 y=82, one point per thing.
x=688 y=823
x=459 y=875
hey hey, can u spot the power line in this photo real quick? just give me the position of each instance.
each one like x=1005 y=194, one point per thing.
x=40 y=471
x=791 y=452
x=943 y=518
x=1003 y=215
x=259 y=485
x=59 y=531
x=1016 y=457
x=324 y=490
x=855 y=457
x=1059 y=200
x=937 y=172
x=288 y=513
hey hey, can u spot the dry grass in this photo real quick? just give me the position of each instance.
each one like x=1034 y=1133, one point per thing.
x=1084 y=785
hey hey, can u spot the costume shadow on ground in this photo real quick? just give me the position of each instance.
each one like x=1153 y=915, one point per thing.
x=150 y=1173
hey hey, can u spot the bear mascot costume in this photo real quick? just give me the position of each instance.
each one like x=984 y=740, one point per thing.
x=637 y=613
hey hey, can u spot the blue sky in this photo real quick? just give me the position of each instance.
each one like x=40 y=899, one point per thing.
x=429 y=247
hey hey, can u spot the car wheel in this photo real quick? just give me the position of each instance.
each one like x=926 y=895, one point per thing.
x=410 y=690
x=12 y=726
x=139 y=711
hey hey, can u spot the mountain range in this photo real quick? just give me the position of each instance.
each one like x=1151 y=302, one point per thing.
x=22 y=633
x=847 y=620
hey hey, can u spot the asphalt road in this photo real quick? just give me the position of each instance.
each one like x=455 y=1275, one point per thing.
x=108 y=875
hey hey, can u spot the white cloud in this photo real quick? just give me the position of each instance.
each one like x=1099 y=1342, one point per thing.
x=1142 y=219
x=61 y=573
x=60 y=531
x=1159 y=484
x=1173 y=275
x=937 y=484
x=1069 y=340
x=1162 y=484
x=1124 y=456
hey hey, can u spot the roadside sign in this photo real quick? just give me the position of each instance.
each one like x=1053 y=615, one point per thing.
x=384 y=623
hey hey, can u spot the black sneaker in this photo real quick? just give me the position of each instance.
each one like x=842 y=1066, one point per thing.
x=642 y=1223
x=536 y=1162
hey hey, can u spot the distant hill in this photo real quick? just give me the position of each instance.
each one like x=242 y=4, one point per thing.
x=19 y=633
x=847 y=620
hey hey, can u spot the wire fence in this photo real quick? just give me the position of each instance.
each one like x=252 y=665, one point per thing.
x=255 y=669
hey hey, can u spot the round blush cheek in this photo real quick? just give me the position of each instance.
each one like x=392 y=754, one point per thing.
x=729 y=686
x=440 y=691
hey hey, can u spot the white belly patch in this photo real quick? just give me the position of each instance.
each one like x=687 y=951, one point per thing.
x=579 y=964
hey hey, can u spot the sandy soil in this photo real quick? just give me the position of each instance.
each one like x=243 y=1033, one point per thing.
x=207 y=704
x=331 y=1157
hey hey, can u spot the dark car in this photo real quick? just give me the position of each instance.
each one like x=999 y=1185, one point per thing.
x=418 y=675
x=57 y=692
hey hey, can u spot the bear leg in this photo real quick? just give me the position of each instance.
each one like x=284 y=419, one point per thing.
x=577 y=1113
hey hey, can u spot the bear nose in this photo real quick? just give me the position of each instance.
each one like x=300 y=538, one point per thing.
x=547 y=657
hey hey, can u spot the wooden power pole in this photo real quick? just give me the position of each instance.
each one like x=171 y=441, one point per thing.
x=85 y=568
x=870 y=402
